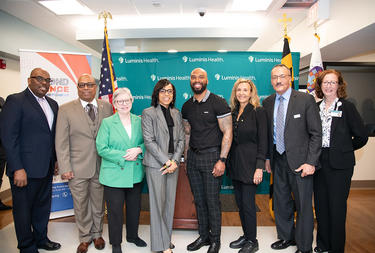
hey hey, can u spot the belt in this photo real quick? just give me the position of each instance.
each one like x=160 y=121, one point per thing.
x=204 y=150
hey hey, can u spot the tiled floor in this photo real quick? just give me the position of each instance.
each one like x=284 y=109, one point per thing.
x=66 y=234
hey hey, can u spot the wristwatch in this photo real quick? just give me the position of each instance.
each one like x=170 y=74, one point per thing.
x=223 y=159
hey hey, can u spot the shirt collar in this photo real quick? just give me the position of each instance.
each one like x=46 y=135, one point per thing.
x=36 y=97
x=93 y=102
x=286 y=94
x=205 y=97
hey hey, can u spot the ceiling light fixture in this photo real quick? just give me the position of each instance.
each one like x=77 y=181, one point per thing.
x=222 y=50
x=172 y=51
x=66 y=7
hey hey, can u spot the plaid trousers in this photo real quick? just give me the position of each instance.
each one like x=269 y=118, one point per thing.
x=206 y=190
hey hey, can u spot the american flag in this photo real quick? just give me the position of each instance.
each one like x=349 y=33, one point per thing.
x=107 y=83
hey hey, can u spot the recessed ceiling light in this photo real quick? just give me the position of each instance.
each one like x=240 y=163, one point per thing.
x=172 y=51
x=66 y=7
x=250 y=5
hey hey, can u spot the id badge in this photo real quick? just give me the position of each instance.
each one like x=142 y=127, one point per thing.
x=335 y=113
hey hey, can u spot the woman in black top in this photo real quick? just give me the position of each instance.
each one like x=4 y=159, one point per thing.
x=247 y=157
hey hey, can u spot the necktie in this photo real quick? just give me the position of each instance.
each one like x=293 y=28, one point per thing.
x=280 y=127
x=91 y=111
x=42 y=103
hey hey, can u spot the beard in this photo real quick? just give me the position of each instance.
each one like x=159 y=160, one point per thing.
x=198 y=91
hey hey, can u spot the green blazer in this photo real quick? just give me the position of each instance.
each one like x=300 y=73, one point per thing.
x=111 y=143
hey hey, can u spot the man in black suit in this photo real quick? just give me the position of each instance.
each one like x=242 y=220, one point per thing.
x=295 y=139
x=28 y=135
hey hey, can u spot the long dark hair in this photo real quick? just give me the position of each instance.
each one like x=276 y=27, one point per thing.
x=155 y=94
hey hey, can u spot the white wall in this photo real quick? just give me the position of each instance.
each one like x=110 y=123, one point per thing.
x=10 y=78
x=364 y=169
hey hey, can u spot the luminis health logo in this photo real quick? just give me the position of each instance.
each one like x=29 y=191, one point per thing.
x=153 y=77
x=217 y=76
x=185 y=95
x=121 y=60
x=184 y=58
x=251 y=59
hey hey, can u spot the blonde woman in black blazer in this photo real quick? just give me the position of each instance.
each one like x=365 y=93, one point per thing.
x=343 y=133
x=247 y=157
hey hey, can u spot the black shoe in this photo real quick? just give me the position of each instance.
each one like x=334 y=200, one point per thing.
x=214 y=247
x=250 y=247
x=50 y=245
x=116 y=249
x=300 y=251
x=320 y=250
x=171 y=246
x=239 y=243
x=4 y=207
x=137 y=241
x=283 y=244
x=197 y=244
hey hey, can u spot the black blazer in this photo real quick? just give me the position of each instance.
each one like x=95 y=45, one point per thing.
x=26 y=137
x=302 y=131
x=348 y=133
x=249 y=146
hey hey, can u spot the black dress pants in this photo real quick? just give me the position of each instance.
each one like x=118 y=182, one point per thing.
x=31 y=210
x=115 y=199
x=293 y=193
x=245 y=199
x=331 y=191
x=206 y=192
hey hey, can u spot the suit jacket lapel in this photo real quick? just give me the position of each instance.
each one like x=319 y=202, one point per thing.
x=83 y=115
x=335 y=120
x=290 y=108
x=161 y=117
x=120 y=129
x=271 y=109
x=37 y=106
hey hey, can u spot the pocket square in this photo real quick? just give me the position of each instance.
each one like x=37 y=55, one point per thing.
x=296 y=116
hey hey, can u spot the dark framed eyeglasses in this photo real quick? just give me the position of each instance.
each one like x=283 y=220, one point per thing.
x=41 y=79
x=88 y=85
x=164 y=91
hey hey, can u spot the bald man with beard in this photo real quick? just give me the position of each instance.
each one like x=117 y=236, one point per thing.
x=28 y=123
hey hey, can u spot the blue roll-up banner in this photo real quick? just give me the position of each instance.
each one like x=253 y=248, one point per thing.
x=140 y=71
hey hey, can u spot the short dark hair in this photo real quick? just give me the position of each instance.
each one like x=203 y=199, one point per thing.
x=341 y=90
x=282 y=66
x=155 y=94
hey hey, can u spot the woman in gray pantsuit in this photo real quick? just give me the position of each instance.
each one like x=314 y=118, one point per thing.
x=164 y=139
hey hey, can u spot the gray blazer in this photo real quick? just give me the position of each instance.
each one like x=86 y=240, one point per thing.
x=156 y=136
x=303 y=129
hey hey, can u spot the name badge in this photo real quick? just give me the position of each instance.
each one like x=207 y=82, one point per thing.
x=335 y=113
x=296 y=116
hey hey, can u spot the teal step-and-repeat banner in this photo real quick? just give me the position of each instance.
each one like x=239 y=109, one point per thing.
x=140 y=71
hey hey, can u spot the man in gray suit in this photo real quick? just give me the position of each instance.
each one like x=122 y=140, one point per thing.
x=295 y=138
x=77 y=125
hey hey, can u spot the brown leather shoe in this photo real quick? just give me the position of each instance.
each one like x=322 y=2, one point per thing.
x=83 y=246
x=99 y=243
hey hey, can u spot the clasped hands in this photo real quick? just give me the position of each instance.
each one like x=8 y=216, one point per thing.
x=169 y=167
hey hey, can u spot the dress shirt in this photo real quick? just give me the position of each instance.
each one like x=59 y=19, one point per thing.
x=45 y=107
x=286 y=97
x=93 y=102
x=326 y=117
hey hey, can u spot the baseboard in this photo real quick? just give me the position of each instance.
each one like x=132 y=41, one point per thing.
x=6 y=195
x=363 y=184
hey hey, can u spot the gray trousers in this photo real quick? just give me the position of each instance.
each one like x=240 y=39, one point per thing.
x=162 y=194
x=88 y=204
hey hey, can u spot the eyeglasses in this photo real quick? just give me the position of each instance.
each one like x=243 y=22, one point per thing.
x=89 y=85
x=123 y=102
x=164 y=91
x=282 y=77
x=326 y=83
x=41 y=79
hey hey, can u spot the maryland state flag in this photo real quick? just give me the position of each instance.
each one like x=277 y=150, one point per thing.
x=108 y=83
x=287 y=57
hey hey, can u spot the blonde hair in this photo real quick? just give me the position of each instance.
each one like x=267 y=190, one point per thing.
x=254 y=99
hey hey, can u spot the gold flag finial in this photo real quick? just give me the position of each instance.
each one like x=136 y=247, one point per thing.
x=105 y=15
x=285 y=22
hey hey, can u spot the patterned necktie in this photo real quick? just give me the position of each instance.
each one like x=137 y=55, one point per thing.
x=91 y=111
x=280 y=127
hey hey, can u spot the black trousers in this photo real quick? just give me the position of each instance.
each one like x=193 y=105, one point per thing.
x=115 y=199
x=31 y=210
x=245 y=199
x=3 y=161
x=206 y=192
x=331 y=191
x=293 y=192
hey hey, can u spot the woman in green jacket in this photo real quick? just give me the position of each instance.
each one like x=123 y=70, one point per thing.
x=120 y=144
